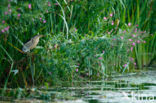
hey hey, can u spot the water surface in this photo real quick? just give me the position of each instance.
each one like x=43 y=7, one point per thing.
x=121 y=88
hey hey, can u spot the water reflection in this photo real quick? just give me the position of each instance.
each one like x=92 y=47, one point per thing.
x=137 y=88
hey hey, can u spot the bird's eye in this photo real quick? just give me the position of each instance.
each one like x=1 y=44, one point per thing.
x=24 y=49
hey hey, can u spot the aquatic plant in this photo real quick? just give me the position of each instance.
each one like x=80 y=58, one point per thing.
x=83 y=39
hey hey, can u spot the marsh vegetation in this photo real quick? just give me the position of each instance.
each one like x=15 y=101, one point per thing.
x=84 y=40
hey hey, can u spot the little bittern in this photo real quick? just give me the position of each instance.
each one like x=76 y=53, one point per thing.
x=31 y=44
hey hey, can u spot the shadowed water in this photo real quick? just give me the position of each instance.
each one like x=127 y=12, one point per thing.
x=128 y=88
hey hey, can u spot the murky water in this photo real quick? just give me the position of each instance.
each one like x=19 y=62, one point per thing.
x=129 y=88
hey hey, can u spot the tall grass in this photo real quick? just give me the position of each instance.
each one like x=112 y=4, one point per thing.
x=78 y=44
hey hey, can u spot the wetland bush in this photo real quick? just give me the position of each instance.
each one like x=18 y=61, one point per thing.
x=83 y=39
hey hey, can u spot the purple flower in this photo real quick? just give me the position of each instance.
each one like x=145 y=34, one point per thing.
x=103 y=51
x=130 y=39
x=124 y=31
x=135 y=30
x=105 y=18
x=114 y=39
x=9 y=5
x=5 y=12
x=122 y=37
x=75 y=29
x=3 y=21
x=29 y=6
x=7 y=28
x=124 y=65
x=2 y=30
x=131 y=49
x=131 y=59
x=18 y=15
x=133 y=43
x=56 y=4
x=112 y=22
x=133 y=35
x=111 y=15
x=138 y=41
x=144 y=41
x=44 y=21
x=134 y=63
x=10 y=10
x=129 y=24
x=77 y=70
x=100 y=58
x=55 y=46
x=49 y=4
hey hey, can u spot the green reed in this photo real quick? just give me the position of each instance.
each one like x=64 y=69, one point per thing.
x=78 y=42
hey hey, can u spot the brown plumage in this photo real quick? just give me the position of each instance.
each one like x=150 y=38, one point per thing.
x=32 y=43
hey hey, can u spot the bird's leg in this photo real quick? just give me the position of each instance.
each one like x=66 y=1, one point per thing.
x=32 y=69
x=32 y=58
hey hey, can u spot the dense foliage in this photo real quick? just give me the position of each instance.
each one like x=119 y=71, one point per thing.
x=84 y=39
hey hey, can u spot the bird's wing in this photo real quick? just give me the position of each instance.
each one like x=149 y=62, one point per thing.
x=26 y=46
x=29 y=43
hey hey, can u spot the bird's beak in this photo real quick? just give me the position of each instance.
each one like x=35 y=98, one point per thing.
x=42 y=36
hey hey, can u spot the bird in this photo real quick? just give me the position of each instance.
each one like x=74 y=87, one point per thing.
x=31 y=44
